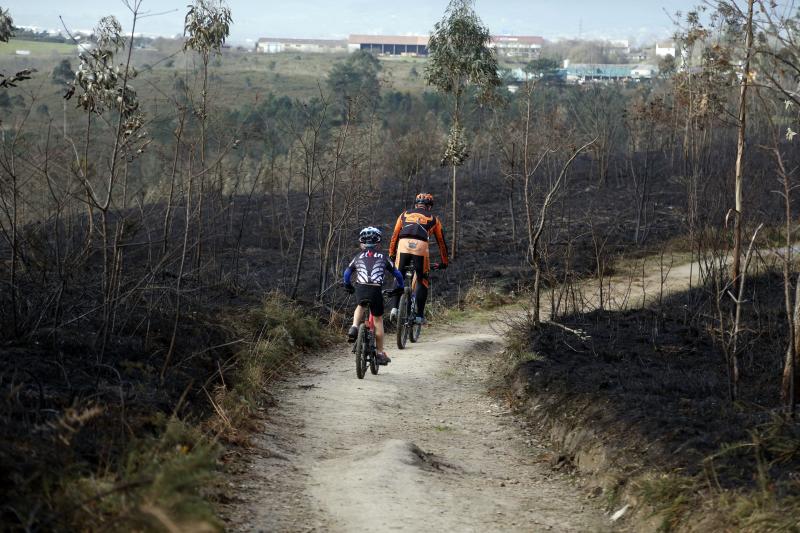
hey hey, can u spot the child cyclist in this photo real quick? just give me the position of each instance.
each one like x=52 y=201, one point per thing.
x=370 y=267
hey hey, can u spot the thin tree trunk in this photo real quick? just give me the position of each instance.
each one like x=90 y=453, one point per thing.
x=199 y=256
x=14 y=247
x=454 y=238
x=299 y=265
x=170 y=198
x=789 y=380
x=740 y=147
x=737 y=320
x=178 y=299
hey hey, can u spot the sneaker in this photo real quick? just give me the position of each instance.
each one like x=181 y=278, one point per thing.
x=420 y=321
x=393 y=314
x=382 y=359
x=352 y=334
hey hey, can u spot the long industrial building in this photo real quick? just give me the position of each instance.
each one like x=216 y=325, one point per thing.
x=417 y=45
x=394 y=45
x=277 y=45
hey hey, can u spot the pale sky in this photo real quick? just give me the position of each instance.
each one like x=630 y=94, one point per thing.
x=617 y=19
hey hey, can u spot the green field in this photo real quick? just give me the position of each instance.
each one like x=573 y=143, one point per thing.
x=238 y=79
x=37 y=48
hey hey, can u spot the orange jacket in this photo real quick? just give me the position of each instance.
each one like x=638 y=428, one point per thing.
x=418 y=224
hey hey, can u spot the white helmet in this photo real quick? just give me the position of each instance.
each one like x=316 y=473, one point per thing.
x=370 y=237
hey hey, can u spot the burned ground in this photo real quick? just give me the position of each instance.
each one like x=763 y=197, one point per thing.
x=636 y=395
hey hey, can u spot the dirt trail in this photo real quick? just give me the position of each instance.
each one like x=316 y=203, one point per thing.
x=420 y=447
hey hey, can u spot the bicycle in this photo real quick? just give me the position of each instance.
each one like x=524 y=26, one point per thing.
x=365 y=349
x=407 y=326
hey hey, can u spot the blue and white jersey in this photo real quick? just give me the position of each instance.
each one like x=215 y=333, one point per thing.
x=370 y=268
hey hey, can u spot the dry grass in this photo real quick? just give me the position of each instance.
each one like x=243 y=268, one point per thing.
x=482 y=295
x=144 y=455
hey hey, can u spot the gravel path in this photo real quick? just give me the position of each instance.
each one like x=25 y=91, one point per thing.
x=420 y=447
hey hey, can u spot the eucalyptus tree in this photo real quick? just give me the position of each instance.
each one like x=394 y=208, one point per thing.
x=6 y=33
x=6 y=25
x=206 y=27
x=102 y=88
x=355 y=79
x=460 y=58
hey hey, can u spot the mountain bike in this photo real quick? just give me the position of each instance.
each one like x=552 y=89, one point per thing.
x=407 y=327
x=365 y=349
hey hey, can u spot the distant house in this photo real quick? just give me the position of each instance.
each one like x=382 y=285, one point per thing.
x=644 y=72
x=277 y=45
x=622 y=46
x=593 y=73
x=392 y=45
x=517 y=46
x=518 y=74
x=666 y=49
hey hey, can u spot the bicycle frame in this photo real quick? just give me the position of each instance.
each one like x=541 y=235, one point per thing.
x=411 y=280
x=365 y=349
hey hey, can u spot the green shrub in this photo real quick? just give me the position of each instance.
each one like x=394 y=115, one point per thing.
x=158 y=484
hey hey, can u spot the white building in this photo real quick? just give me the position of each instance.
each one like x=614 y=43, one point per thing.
x=623 y=46
x=644 y=72
x=666 y=49
x=517 y=46
x=277 y=45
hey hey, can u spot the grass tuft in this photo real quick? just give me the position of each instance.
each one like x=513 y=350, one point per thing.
x=484 y=296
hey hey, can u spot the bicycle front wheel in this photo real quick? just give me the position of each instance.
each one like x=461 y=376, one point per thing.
x=361 y=351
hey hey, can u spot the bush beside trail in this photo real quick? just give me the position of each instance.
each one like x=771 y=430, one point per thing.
x=108 y=443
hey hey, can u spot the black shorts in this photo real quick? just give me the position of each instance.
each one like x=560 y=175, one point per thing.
x=372 y=294
x=421 y=265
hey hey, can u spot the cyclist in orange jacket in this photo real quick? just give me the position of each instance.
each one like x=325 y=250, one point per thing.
x=410 y=245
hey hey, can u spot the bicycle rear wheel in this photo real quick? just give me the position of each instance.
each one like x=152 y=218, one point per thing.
x=402 y=322
x=361 y=352
x=373 y=362
x=415 y=330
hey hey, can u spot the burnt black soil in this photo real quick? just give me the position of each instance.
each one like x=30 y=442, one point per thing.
x=69 y=411
x=489 y=248
x=73 y=404
x=651 y=387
